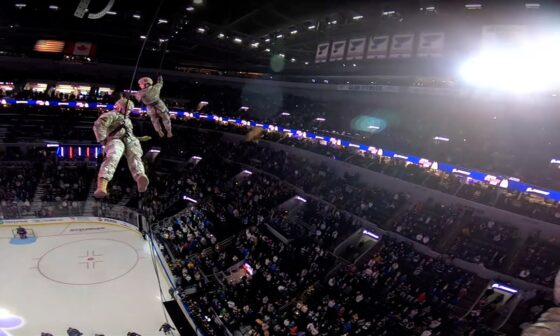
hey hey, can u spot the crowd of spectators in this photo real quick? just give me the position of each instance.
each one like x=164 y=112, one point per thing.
x=480 y=135
x=539 y=261
x=18 y=182
x=485 y=241
x=229 y=300
x=426 y=222
x=396 y=291
x=303 y=113
x=65 y=187
x=236 y=189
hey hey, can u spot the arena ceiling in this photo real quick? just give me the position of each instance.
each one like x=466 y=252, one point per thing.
x=234 y=35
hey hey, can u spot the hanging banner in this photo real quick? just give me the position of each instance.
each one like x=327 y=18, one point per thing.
x=377 y=48
x=337 y=51
x=431 y=45
x=322 y=53
x=504 y=36
x=402 y=46
x=356 y=49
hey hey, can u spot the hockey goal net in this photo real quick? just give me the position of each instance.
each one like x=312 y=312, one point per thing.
x=30 y=233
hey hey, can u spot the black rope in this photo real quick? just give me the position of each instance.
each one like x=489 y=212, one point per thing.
x=144 y=45
x=151 y=237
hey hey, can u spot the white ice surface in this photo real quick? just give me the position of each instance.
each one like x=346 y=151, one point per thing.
x=93 y=277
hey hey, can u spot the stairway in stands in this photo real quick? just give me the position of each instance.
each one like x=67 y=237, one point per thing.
x=37 y=203
x=124 y=200
x=88 y=206
x=474 y=293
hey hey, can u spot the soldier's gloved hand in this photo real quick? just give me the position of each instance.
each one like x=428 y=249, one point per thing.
x=144 y=138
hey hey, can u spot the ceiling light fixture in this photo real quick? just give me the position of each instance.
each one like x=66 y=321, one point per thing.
x=221 y=36
x=201 y=30
x=473 y=6
x=358 y=17
x=237 y=40
x=136 y=16
x=293 y=32
x=111 y=13
x=160 y=21
x=20 y=5
x=312 y=27
x=279 y=36
x=190 y=9
x=54 y=7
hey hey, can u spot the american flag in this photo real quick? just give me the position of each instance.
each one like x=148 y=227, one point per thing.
x=49 y=46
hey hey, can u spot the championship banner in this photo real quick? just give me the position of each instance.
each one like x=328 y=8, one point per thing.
x=322 y=53
x=402 y=46
x=356 y=49
x=431 y=45
x=504 y=36
x=377 y=48
x=337 y=51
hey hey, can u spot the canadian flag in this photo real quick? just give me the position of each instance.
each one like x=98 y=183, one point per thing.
x=81 y=49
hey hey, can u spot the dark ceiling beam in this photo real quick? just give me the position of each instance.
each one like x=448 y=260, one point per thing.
x=249 y=15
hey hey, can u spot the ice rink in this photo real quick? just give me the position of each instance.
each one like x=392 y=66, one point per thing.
x=96 y=277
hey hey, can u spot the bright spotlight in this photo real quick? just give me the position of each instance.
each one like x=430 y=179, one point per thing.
x=237 y=40
x=197 y=2
x=529 y=67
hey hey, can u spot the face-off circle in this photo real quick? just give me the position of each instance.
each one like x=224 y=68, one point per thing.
x=88 y=261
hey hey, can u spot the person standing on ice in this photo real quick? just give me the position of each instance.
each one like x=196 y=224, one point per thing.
x=157 y=110
x=114 y=130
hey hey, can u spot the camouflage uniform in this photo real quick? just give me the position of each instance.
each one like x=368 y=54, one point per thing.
x=156 y=107
x=115 y=131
